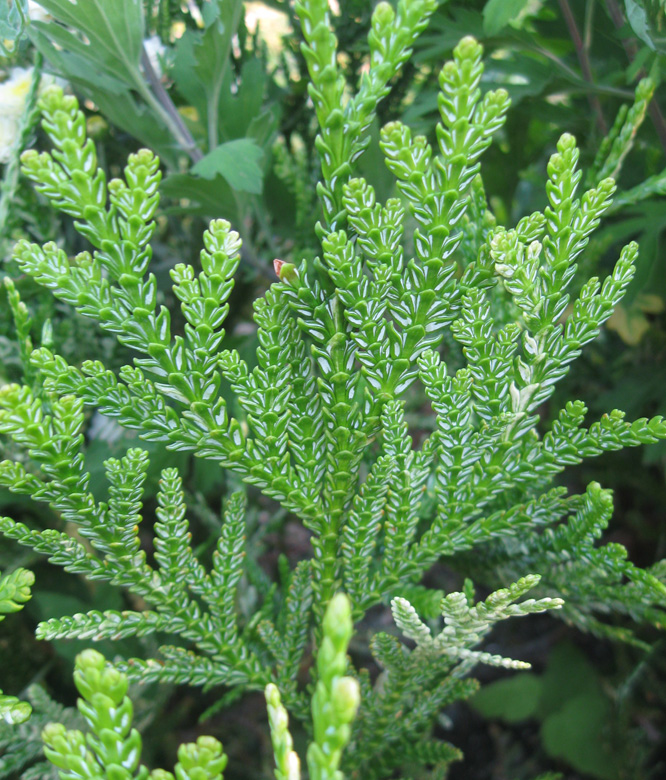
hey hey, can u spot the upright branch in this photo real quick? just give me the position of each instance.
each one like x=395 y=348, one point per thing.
x=420 y=297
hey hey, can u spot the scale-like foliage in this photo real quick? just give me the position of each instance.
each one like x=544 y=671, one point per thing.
x=21 y=746
x=421 y=294
x=14 y=592
x=112 y=747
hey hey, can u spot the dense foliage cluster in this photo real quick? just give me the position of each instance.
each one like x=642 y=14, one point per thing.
x=419 y=301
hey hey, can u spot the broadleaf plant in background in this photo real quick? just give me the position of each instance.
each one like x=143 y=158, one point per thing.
x=101 y=50
x=422 y=293
x=192 y=99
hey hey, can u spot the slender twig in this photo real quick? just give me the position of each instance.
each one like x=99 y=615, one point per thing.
x=584 y=61
x=615 y=13
x=160 y=100
x=601 y=89
x=249 y=253
x=262 y=221
x=658 y=121
x=588 y=24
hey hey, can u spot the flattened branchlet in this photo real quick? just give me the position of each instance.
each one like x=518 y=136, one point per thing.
x=421 y=294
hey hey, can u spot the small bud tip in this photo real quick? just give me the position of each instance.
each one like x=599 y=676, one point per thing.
x=286 y=272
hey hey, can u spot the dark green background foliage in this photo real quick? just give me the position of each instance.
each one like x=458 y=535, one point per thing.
x=233 y=124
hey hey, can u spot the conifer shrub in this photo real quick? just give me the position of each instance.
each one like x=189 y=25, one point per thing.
x=420 y=297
